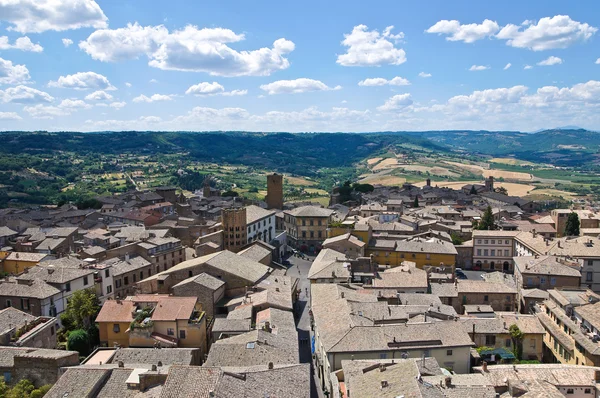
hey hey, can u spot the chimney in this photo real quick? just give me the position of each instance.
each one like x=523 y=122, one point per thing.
x=270 y=365
x=484 y=366
x=211 y=393
x=268 y=326
x=121 y=364
x=127 y=257
x=342 y=294
x=382 y=367
x=384 y=383
x=534 y=232
x=50 y=271
x=448 y=381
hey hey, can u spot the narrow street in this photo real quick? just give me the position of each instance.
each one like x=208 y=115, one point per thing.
x=299 y=268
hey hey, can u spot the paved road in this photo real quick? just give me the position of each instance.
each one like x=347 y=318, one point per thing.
x=299 y=269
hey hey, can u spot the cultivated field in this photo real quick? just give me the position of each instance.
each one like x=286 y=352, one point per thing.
x=511 y=162
x=512 y=188
x=389 y=163
x=373 y=161
x=383 y=179
x=508 y=175
x=298 y=181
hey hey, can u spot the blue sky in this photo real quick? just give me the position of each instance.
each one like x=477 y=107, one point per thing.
x=298 y=66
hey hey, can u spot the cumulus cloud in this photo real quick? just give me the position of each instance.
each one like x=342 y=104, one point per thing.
x=470 y=33
x=128 y=84
x=598 y=61
x=527 y=67
x=549 y=33
x=67 y=42
x=22 y=43
x=234 y=93
x=205 y=88
x=9 y=116
x=301 y=85
x=45 y=111
x=478 y=68
x=371 y=48
x=13 y=74
x=24 y=95
x=74 y=104
x=380 y=81
x=581 y=93
x=117 y=105
x=552 y=60
x=396 y=102
x=153 y=98
x=508 y=65
x=99 y=96
x=38 y=16
x=189 y=49
x=424 y=74
x=83 y=81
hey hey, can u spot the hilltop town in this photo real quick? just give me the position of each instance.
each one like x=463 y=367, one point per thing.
x=411 y=290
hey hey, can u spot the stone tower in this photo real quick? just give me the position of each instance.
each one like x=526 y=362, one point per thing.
x=206 y=187
x=235 y=233
x=275 y=191
x=428 y=182
x=489 y=184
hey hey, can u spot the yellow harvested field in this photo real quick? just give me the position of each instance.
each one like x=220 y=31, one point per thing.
x=512 y=161
x=512 y=188
x=553 y=192
x=440 y=171
x=379 y=179
x=372 y=161
x=298 y=181
x=509 y=175
x=388 y=163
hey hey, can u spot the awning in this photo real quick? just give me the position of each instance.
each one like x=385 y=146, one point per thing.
x=499 y=352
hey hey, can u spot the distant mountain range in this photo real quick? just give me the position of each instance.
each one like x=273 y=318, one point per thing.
x=308 y=152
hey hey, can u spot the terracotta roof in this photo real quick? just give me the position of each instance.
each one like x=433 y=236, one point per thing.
x=116 y=311
x=174 y=308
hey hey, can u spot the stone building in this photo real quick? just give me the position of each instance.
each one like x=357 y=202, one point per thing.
x=235 y=234
x=306 y=227
x=274 y=191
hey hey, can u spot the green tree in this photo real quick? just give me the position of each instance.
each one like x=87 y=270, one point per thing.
x=22 y=389
x=473 y=190
x=81 y=310
x=230 y=193
x=572 y=226
x=456 y=239
x=40 y=392
x=416 y=202
x=516 y=335
x=487 y=221
x=79 y=341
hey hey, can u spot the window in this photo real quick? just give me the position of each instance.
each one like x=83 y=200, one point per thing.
x=170 y=332
x=485 y=252
x=68 y=287
x=303 y=223
x=141 y=275
x=126 y=280
x=134 y=276
x=428 y=256
x=507 y=343
x=569 y=391
x=117 y=283
x=182 y=334
x=589 y=276
x=479 y=252
x=109 y=289
x=542 y=280
x=485 y=242
x=25 y=304
x=320 y=234
x=506 y=253
x=414 y=255
x=552 y=281
x=320 y=222
x=304 y=234
x=478 y=241
x=312 y=223
x=532 y=343
x=493 y=252
x=116 y=328
x=312 y=234
x=383 y=356
x=426 y=353
x=448 y=352
x=506 y=242
x=107 y=273
x=485 y=298
x=490 y=340
x=590 y=262
x=587 y=391
x=493 y=241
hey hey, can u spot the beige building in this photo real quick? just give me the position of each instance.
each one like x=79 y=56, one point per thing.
x=347 y=243
x=571 y=319
x=306 y=227
x=494 y=332
x=587 y=219
x=274 y=197
x=500 y=296
x=544 y=273
x=493 y=250
x=352 y=326
x=235 y=234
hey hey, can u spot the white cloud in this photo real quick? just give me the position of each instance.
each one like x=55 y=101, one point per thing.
x=153 y=98
x=423 y=74
x=188 y=49
x=24 y=95
x=13 y=74
x=9 y=116
x=153 y=81
x=45 y=111
x=508 y=65
x=581 y=93
x=37 y=16
x=552 y=60
x=205 y=88
x=117 y=105
x=478 y=68
x=99 y=96
x=396 y=102
x=526 y=67
x=470 y=33
x=74 y=104
x=301 y=85
x=67 y=42
x=83 y=81
x=370 y=48
x=234 y=93
x=128 y=84
x=380 y=81
x=559 y=31
x=22 y=43
x=598 y=61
